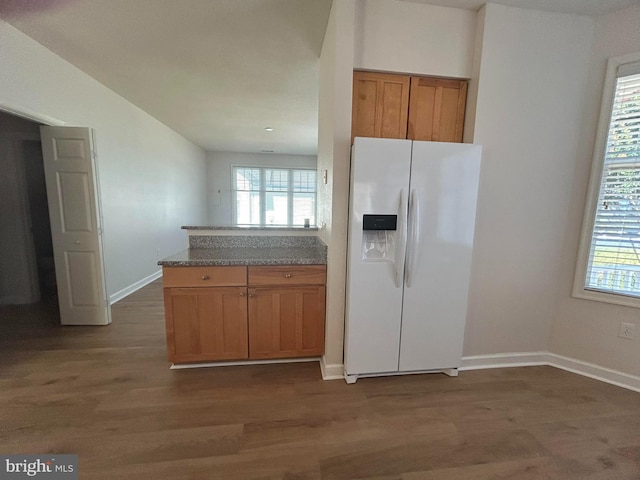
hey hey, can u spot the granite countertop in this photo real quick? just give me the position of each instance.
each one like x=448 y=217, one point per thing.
x=316 y=255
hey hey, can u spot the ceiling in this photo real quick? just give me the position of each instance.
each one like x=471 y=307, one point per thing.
x=216 y=71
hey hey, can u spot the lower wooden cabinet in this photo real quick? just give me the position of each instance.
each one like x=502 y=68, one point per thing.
x=286 y=321
x=206 y=323
x=278 y=312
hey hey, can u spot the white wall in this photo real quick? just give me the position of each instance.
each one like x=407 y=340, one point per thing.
x=530 y=107
x=411 y=37
x=334 y=140
x=152 y=180
x=584 y=329
x=219 y=181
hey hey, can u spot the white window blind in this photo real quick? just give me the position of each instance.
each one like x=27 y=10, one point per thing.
x=614 y=257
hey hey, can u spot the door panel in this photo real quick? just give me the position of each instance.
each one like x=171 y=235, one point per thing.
x=364 y=113
x=436 y=109
x=393 y=117
x=286 y=321
x=444 y=177
x=75 y=202
x=380 y=105
x=74 y=211
x=206 y=324
x=80 y=267
x=68 y=148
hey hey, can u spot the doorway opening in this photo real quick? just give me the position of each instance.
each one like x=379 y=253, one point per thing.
x=27 y=271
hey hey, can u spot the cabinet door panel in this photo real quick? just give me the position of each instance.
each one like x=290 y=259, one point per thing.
x=364 y=113
x=380 y=105
x=448 y=130
x=436 y=109
x=392 y=119
x=286 y=322
x=421 y=115
x=184 y=309
x=206 y=323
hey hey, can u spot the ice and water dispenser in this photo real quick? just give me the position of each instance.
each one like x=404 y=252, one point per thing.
x=379 y=240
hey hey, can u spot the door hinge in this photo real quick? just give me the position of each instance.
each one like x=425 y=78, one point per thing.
x=94 y=155
x=100 y=231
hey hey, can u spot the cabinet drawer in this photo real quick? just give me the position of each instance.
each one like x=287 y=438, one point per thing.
x=288 y=275
x=204 y=276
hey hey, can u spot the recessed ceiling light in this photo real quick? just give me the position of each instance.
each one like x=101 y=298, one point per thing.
x=268 y=129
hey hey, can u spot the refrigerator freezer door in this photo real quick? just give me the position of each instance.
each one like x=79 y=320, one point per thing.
x=444 y=177
x=379 y=185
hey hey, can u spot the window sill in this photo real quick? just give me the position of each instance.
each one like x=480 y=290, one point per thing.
x=613 y=298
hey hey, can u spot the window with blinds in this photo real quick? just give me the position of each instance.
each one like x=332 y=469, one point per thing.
x=613 y=264
x=274 y=196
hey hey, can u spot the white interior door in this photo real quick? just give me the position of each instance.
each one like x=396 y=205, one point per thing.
x=76 y=232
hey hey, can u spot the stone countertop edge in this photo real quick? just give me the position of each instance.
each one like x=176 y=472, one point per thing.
x=203 y=257
x=250 y=227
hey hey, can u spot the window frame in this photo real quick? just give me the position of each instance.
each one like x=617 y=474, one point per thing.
x=263 y=194
x=593 y=193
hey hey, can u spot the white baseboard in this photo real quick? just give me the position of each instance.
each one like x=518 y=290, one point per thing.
x=597 y=372
x=476 y=362
x=332 y=371
x=119 y=295
x=502 y=360
x=591 y=370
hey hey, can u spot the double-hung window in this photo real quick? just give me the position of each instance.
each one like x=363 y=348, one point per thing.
x=609 y=263
x=274 y=196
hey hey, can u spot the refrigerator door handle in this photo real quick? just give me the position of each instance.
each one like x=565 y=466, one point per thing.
x=414 y=241
x=402 y=241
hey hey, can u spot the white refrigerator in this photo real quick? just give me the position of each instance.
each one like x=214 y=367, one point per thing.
x=412 y=216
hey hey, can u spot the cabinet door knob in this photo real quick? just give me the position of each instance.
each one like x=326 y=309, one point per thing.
x=205 y=277
x=242 y=294
x=287 y=275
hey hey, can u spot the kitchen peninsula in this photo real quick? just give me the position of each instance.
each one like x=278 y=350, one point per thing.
x=245 y=293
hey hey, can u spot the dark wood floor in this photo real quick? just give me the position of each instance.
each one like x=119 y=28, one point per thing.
x=106 y=393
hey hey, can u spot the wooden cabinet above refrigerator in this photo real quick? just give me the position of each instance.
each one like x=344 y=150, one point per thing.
x=401 y=106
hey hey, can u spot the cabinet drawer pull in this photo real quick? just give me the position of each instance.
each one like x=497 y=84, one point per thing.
x=287 y=275
x=205 y=277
